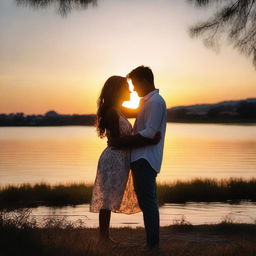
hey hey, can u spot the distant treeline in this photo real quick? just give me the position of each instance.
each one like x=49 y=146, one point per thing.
x=241 y=111
x=51 y=118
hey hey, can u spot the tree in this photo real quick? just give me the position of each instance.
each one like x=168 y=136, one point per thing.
x=177 y=114
x=63 y=6
x=236 y=18
x=247 y=109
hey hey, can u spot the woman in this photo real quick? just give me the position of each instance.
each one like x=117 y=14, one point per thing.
x=113 y=188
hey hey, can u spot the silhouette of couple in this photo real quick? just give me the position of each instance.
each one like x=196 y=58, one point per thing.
x=138 y=148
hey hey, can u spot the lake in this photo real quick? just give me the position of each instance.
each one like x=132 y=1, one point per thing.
x=70 y=153
x=192 y=212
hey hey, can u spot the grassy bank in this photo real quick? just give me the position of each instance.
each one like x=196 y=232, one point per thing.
x=19 y=235
x=197 y=190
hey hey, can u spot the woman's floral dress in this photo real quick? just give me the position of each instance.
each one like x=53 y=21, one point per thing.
x=113 y=187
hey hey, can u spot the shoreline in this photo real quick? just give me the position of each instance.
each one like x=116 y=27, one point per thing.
x=232 y=190
x=228 y=122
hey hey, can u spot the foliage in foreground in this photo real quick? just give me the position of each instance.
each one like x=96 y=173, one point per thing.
x=20 y=235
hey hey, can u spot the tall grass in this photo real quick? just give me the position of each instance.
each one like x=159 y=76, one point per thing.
x=44 y=194
x=197 y=190
x=19 y=235
x=208 y=190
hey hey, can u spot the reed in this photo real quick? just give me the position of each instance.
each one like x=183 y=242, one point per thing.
x=208 y=190
x=28 y=195
x=19 y=235
x=196 y=190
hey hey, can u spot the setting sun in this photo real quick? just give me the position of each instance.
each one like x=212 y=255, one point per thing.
x=134 y=98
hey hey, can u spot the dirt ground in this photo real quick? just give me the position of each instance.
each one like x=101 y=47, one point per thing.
x=175 y=240
x=182 y=240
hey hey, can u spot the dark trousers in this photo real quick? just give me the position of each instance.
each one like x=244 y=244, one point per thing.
x=144 y=177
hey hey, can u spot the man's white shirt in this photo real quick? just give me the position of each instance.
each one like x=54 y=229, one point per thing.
x=151 y=118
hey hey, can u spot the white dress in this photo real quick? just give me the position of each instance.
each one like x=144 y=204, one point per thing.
x=113 y=187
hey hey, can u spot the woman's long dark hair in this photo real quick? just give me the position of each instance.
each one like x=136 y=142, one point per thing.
x=108 y=99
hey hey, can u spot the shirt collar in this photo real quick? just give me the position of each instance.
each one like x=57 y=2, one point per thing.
x=149 y=95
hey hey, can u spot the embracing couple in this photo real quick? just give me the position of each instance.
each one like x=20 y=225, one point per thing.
x=139 y=149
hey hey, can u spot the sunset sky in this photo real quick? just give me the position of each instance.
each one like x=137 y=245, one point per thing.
x=50 y=62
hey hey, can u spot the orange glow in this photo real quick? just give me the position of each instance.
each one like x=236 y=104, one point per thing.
x=70 y=81
x=134 y=98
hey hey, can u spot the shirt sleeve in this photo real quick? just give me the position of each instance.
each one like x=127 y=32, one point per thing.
x=154 y=115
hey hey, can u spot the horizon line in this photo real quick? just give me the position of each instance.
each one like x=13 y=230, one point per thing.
x=197 y=104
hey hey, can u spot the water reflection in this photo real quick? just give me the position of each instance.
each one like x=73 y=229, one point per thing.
x=195 y=213
x=63 y=6
x=65 y=154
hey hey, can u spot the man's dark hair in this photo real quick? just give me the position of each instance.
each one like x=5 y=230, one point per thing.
x=142 y=73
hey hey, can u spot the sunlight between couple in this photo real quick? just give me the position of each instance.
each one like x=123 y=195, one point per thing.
x=139 y=149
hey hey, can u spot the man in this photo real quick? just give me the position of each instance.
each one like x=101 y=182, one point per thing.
x=147 y=158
